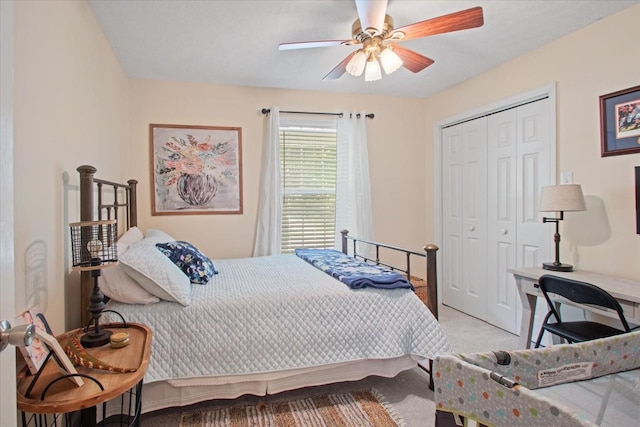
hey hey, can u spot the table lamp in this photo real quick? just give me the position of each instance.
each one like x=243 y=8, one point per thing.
x=93 y=246
x=560 y=198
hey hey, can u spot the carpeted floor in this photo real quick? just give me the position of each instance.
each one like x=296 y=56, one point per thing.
x=408 y=393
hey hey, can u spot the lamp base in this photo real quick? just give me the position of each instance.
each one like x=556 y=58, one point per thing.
x=557 y=267
x=93 y=339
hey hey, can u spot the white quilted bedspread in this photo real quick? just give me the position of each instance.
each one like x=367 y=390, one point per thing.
x=269 y=314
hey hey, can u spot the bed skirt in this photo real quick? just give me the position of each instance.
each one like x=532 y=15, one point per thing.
x=172 y=393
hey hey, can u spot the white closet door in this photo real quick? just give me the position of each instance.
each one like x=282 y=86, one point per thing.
x=502 y=187
x=534 y=173
x=535 y=239
x=452 y=290
x=474 y=217
x=493 y=169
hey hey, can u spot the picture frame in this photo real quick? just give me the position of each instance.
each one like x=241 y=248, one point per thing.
x=637 y=173
x=36 y=353
x=43 y=344
x=195 y=170
x=620 y=122
x=64 y=363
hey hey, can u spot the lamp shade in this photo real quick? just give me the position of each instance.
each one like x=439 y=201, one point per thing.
x=355 y=67
x=390 y=60
x=562 y=198
x=93 y=244
x=372 y=71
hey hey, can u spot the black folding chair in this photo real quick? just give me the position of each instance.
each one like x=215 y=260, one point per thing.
x=580 y=293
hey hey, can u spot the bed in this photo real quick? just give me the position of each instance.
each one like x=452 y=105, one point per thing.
x=258 y=325
x=584 y=384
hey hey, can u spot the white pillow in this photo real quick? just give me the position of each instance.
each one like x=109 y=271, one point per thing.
x=155 y=272
x=160 y=235
x=131 y=236
x=115 y=283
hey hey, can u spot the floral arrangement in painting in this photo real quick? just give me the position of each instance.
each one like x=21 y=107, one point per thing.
x=195 y=166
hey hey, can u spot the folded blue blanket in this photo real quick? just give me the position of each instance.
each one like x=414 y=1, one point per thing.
x=355 y=274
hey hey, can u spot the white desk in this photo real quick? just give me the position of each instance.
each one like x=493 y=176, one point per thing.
x=626 y=291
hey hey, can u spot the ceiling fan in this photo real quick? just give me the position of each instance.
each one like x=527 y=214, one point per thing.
x=374 y=31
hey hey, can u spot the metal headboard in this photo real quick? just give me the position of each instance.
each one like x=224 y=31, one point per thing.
x=111 y=199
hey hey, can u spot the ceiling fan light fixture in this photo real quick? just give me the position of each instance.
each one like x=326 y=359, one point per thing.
x=374 y=31
x=355 y=67
x=372 y=71
x=390 y=60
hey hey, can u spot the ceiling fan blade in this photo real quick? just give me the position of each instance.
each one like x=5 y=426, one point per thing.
x=465 y=19
x=305 y=45
x=411 y=60
x=340 y=69
x=371 y=13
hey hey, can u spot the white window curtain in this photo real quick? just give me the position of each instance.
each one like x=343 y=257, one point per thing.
x=353 y=187
x=269 y=223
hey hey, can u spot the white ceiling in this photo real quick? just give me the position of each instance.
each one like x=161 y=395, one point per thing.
x=236 y=42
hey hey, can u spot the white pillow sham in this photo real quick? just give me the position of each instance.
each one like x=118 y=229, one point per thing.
x=131 y=236
x=160 y=235
x=115 y=283
x=155 y=272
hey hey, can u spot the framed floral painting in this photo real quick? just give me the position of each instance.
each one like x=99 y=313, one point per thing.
x=195 y=169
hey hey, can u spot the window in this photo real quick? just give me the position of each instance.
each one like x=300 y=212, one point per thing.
x=308 y=174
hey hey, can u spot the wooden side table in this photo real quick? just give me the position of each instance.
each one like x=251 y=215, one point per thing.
x=63 y=396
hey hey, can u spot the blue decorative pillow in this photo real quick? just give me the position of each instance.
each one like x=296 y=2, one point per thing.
x=198 y=268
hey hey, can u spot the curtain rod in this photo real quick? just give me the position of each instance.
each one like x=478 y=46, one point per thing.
x=267 y=111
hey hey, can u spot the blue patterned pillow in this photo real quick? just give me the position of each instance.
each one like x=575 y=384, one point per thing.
x=198 y=268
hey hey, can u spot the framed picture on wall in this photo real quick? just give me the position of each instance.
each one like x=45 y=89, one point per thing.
x=637 y=199
x=620 y=122
x=195 y=169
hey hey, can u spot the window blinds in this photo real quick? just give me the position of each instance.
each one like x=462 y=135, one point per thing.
x=308 y=171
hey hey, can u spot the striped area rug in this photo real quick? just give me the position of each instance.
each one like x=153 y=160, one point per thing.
x=355 y=409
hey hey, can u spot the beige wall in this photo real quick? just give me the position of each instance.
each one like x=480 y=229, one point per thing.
x=596 y=60
x=74 y=105
x=396 y=150
x=71 y=108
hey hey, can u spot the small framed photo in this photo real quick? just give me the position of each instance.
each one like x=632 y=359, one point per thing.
x=620 y=122
x=195 y=169
x=36 y=353
x=64 y=363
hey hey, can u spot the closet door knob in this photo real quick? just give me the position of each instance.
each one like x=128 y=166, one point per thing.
x=472 y=228
x=504 y=231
